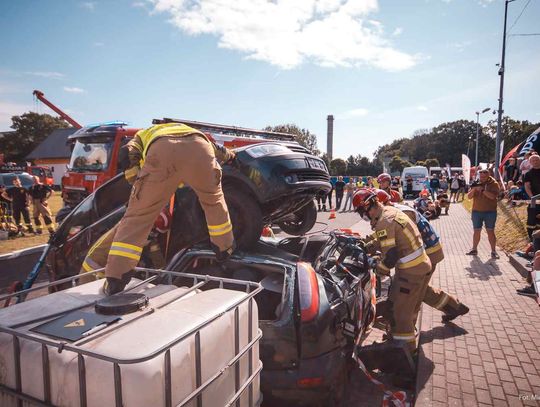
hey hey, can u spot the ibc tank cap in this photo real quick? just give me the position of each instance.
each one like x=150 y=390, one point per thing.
x=121 y=304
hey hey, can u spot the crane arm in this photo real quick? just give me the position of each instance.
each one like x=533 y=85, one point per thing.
x=41 y=97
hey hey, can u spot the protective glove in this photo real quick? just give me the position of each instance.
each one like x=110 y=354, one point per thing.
x=131 y=174
x=223 y=256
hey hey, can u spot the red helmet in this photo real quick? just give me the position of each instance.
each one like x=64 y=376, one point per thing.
x=363 y=199
x=384 y=177
x=383 y=196
x=395 y=196
x=163 y=221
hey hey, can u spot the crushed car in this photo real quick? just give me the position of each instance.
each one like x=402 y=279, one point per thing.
x=317 y=297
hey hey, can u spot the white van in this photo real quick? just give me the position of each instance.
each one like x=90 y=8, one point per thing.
x=436 y=170
x=418 y=174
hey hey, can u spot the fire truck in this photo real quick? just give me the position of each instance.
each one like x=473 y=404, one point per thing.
x=98 y=154
x=44 y=173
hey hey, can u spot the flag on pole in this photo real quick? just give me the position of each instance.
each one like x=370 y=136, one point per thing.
x=466 y=166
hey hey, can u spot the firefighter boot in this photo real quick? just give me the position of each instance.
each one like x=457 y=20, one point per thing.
x=390 y=356
x=452 y=313
x=114 y=285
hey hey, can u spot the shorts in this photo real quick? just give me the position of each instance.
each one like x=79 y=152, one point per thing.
x=488 y=218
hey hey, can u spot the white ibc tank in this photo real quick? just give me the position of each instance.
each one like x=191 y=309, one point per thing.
x=199 y=357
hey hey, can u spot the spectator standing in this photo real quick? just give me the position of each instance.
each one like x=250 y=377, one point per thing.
x=340 y=188
x=531 y=181
x=511 y=171
x=443 y=185
x=40 y=194
x=409 y=186
x=525 y=165
x=19 y=198
x=434 y=185
x=462 y=186
x=349 y=190
x=484 y=211
x=454 y=188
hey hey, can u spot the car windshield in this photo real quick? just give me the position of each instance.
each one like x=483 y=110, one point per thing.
x=94 y=155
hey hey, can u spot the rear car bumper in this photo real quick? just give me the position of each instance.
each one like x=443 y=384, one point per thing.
x=310 y=384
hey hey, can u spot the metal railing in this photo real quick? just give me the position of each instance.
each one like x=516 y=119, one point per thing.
x=199 y=281
x=533 y=200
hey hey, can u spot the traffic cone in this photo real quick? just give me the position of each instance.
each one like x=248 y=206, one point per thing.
x=332 y=214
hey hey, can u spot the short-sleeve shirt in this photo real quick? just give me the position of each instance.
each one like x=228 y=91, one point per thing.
x=39 y=191
x=481 y=203
x=19 y=196
x=340 y=185
x=533 y=176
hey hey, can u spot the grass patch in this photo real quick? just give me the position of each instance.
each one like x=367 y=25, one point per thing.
x=7 y=246
x=510 y=229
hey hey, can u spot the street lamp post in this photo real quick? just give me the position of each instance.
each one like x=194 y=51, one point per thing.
x=501 y=86
x=478 y=133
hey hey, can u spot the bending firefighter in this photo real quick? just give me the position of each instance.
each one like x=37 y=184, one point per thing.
x=169 y=155
x=402 y=248
x=434 y=297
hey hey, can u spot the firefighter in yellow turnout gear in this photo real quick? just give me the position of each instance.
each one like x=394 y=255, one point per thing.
x=165 y=156
x=402 y=248
x=434 y=297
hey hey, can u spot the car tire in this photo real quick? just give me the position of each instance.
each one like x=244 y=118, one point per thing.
x=246 y=216
x=303 y=221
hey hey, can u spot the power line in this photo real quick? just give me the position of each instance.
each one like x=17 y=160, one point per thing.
x=523 y=35
x=518 y=17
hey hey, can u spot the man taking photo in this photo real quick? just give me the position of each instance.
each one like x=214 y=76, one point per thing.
x=484 y=194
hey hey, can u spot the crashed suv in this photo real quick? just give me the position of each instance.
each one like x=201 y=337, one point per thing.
x=269 y=183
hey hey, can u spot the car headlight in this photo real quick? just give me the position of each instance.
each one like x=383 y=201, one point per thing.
x=260 y=150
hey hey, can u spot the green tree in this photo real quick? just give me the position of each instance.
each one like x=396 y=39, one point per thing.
x=338 y=166
x=302 y=136
x=397 y=164
x=30 y=129
x=352 y=166
x=432 y=162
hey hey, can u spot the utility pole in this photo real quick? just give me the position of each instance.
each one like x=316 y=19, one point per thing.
x=478 y=133
x=501 y=87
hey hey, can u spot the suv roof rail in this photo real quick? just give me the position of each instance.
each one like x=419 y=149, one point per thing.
x=239 y=131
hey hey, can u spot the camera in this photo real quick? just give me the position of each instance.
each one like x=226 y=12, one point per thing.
x=475 y=184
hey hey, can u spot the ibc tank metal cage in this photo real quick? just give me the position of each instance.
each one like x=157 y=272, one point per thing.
x=151 y=275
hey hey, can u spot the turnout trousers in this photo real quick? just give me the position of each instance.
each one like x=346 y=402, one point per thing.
x=406 y=295
x=435 y=297
x=170 y=161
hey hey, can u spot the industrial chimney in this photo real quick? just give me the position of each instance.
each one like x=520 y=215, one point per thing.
x=330 y=137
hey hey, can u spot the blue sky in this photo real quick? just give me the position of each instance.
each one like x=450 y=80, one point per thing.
x=382 y=68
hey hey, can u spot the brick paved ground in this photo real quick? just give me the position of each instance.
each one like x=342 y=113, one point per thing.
x=492 y=355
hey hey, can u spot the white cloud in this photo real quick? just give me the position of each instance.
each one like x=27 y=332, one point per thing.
x=138 y=4
x=397 y=31
x=73 y=89
x=358 y=112
x=287 y=33
x=89 y=5
x=44 y=74
x=422 y=108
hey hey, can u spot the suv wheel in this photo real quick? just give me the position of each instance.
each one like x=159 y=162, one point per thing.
x=246 y=216
x=301 y=221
